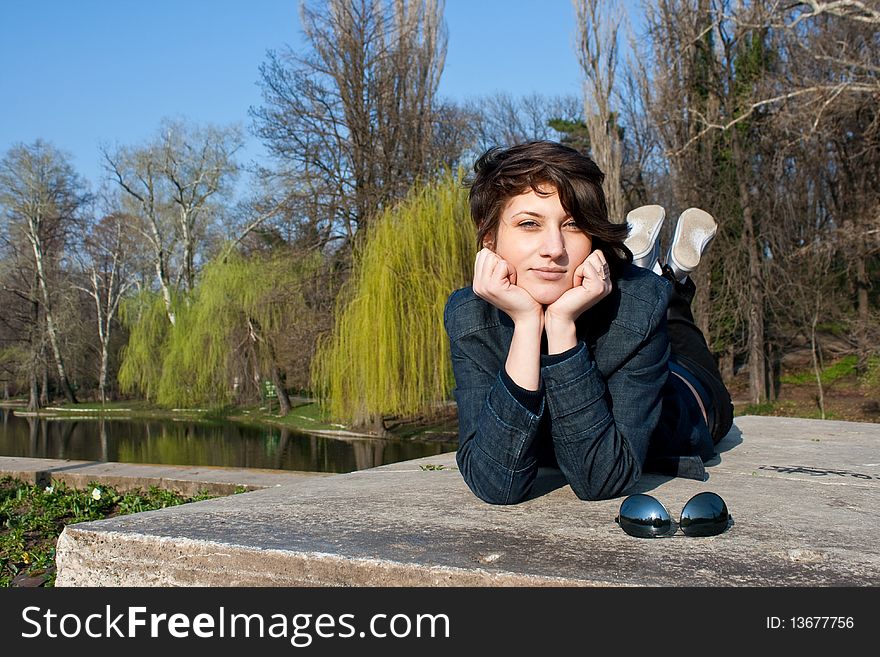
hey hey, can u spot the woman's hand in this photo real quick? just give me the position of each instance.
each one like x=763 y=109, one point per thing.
x=495 y=281
x=592 y=283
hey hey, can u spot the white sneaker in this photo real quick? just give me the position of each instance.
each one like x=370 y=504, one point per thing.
x=645 y=223
x=693 y=233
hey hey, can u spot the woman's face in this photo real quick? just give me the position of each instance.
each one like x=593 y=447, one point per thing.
x=538 y=238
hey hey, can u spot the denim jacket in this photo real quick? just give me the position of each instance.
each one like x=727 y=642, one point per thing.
x=606 y=409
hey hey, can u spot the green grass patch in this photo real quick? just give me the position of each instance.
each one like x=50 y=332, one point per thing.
x=784 y=409
x=303 y=417
x=833 y=328
x=32 y=518
x=845 y=367
x=764 y=408
x=870 y=380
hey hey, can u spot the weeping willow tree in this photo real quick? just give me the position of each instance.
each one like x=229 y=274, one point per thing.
x=145 y=316
x=223 y=342
x=388 y=354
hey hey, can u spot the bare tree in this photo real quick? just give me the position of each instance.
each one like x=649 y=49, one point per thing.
x=864 y=12
x=504 y=120
x=827 y=87
x=598 y=23
x=354 y=119
x=645 y=176
x=751 y=100
x=804 y=275
x=171 y=185
x=41 y=195
x=104 y=260
x=707 y=67
x=836 y=73
x=21 y=323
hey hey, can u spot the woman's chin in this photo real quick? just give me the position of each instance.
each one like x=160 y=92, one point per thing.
x=546 y=294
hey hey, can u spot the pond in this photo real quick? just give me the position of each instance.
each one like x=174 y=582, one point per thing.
x=228 y=444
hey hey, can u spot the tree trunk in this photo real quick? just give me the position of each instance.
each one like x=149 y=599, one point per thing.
x=701 y=306
x=102 y=376
x=726 y=365
x=598 y=25
x=34 y=392
x=757 y=361
x=50 y=321
x=44 y=372
x=283 y=398
x=755 y=295
x=863 y=345
x=773 y=358
x=66 y=388
x=817 y=370
x=188 y=252
x=163 y=283
x=34 y=388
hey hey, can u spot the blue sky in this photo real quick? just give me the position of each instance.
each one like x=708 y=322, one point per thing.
x=79 y=73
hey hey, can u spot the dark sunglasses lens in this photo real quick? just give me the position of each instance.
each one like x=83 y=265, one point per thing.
x=705 y=514
x=644 y=517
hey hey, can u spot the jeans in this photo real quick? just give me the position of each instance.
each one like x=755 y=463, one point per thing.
x=688 y=349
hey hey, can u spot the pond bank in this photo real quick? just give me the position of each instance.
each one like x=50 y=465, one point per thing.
x=304 y=417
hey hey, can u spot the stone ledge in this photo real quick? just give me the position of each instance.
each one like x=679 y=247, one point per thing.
x=186 y=480
x=803 y=494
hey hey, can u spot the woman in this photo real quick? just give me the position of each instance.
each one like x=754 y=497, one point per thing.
x=560 y=348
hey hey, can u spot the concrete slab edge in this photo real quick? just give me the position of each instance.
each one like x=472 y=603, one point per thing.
x=88 y=558
x=125 y=477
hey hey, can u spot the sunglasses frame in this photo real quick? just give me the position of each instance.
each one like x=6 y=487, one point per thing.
x=691 y=524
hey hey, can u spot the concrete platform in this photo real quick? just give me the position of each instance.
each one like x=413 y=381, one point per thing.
x=186 y=480
x=804 y=495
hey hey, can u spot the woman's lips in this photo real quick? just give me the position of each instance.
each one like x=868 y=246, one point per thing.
x=549 y=274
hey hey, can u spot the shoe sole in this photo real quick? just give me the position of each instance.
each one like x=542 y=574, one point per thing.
x=693 y=232
x=645 y=223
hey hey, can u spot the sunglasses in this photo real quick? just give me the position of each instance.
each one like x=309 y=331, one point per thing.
x=643 y=516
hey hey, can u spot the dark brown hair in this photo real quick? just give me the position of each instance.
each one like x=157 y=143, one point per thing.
x=502 y=173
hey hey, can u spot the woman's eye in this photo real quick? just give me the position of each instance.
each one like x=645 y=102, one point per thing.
x=570 y=225
x=528 y=224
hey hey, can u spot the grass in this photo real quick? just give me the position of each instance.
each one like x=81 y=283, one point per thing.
x=840 y=369
x=302 y=417
x=32 y=518
x=764 y=408
x=784 y=409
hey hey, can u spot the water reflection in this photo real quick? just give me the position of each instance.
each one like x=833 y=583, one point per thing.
x=198 y=443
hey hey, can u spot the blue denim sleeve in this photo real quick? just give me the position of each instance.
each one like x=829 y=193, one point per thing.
x=601 y=429
x=496 y=449
x=532 y=400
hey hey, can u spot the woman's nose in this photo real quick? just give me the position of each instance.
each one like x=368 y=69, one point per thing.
x=553 y=245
